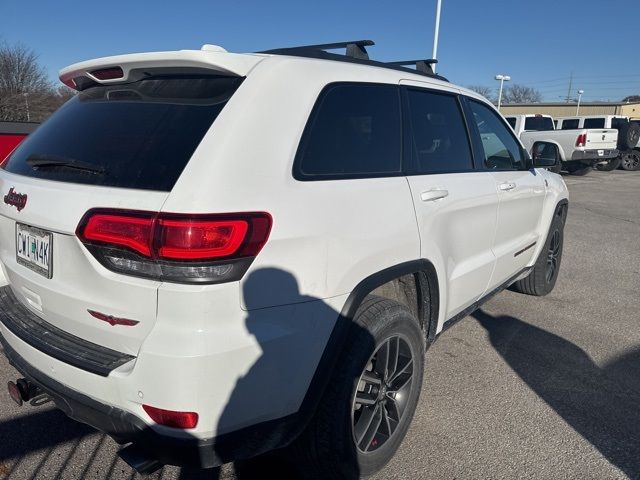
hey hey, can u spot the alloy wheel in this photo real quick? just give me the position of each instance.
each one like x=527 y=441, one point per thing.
x=553 y=255
x=382 y=394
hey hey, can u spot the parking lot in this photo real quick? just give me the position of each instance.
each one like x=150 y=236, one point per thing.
x=524 y=388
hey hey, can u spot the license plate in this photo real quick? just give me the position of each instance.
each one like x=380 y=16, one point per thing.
x=34 y=249
x=600 y=153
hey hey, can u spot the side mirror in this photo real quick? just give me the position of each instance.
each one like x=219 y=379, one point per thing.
x=545 y=154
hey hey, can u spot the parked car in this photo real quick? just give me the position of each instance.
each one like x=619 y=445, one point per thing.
x=12 y=133
x=628 y=137
x=205 y=284
x=579 y=149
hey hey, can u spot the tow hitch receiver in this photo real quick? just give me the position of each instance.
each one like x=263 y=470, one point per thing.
x=22 y=390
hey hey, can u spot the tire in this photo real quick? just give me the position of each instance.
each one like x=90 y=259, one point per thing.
x=328 y=447
x=630 y=160
x=542 y=278
x=628 y=136
x=579 y=170
x=610 y=165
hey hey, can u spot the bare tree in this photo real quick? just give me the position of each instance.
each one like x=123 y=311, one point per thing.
x=520 y=94
x=486 y=92
x=26 y=93
x=631 y=99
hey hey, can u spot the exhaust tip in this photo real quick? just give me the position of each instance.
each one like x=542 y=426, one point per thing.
x=139 y=460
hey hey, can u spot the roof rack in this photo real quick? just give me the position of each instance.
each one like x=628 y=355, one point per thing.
x=356 y=53
x=424 y=66
x=354 y=49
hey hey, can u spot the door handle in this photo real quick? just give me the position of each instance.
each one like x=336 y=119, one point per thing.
x=507 y=186
x=435 y=194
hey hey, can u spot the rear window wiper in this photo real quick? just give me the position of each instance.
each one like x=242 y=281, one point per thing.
x=43 y=161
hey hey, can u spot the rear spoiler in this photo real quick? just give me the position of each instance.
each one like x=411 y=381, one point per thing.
x=129 y=68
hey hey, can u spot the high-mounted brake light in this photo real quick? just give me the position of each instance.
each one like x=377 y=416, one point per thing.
x=175 y=247
x=581 y=141
x=169 y=418
x=108 y=73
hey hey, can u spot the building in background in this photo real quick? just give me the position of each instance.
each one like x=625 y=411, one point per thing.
x=569 y=109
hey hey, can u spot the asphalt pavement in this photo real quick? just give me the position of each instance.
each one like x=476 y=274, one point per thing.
x=526 y=387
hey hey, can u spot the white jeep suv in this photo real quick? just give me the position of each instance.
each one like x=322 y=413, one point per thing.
x=210 y=255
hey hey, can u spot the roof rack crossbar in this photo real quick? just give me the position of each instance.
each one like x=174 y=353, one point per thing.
x=424 y=66
x=354 y=48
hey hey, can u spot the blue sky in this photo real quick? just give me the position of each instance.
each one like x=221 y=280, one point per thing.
x=537 y=42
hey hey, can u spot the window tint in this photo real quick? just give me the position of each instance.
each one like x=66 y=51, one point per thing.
x=439 y=136
x=593 y=123
x=511 y=121
x=570 y=124
x=355 y=130
x=538 y=124
x=137 y=135
x=501 y=150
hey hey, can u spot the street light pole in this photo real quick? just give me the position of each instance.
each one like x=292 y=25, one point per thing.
x=580 y=92
x=436 y=34
x=502 y=78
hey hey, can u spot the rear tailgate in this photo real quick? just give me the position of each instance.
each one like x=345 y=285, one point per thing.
x=116 y=145
x=601 y=139
x=78 y=282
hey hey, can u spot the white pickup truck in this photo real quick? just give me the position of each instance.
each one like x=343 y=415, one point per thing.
x=628 y=136
x=579 y=149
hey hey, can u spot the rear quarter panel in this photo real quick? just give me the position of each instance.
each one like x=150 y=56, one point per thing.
x=327 y=235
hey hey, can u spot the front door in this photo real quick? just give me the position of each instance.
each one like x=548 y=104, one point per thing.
x=521 y=192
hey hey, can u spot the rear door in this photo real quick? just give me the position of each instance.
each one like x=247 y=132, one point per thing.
x=111 y=147
x=455 y=205
x=521 y=191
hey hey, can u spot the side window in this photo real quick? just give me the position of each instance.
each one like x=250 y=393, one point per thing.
x=617 y=122
x=511 y=121
x=593 y=123
x=570 y=124
x=354 y=131
x=501 y=150
x=439 y=136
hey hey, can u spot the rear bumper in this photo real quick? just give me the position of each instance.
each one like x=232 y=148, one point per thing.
x=126 y=427
x=592 y=157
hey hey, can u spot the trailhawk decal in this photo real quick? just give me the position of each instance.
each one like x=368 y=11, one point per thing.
x=18 y=200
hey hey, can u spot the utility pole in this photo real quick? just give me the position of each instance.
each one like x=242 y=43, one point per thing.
x=436 y=33
x=570 y=85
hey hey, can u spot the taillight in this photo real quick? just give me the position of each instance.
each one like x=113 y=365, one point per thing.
x=581 y=141
x=125 y=231
x=175 y=247
x=169 y=418
x=196 y=239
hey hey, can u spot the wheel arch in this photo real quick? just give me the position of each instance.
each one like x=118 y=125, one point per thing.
x=427 y=303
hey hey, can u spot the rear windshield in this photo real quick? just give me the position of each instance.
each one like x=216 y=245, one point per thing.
x=538 y=124
x=137 y=135
x=570 y=124
x=594 y=123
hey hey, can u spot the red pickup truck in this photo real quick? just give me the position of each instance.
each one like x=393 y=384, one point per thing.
x=11 y=134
